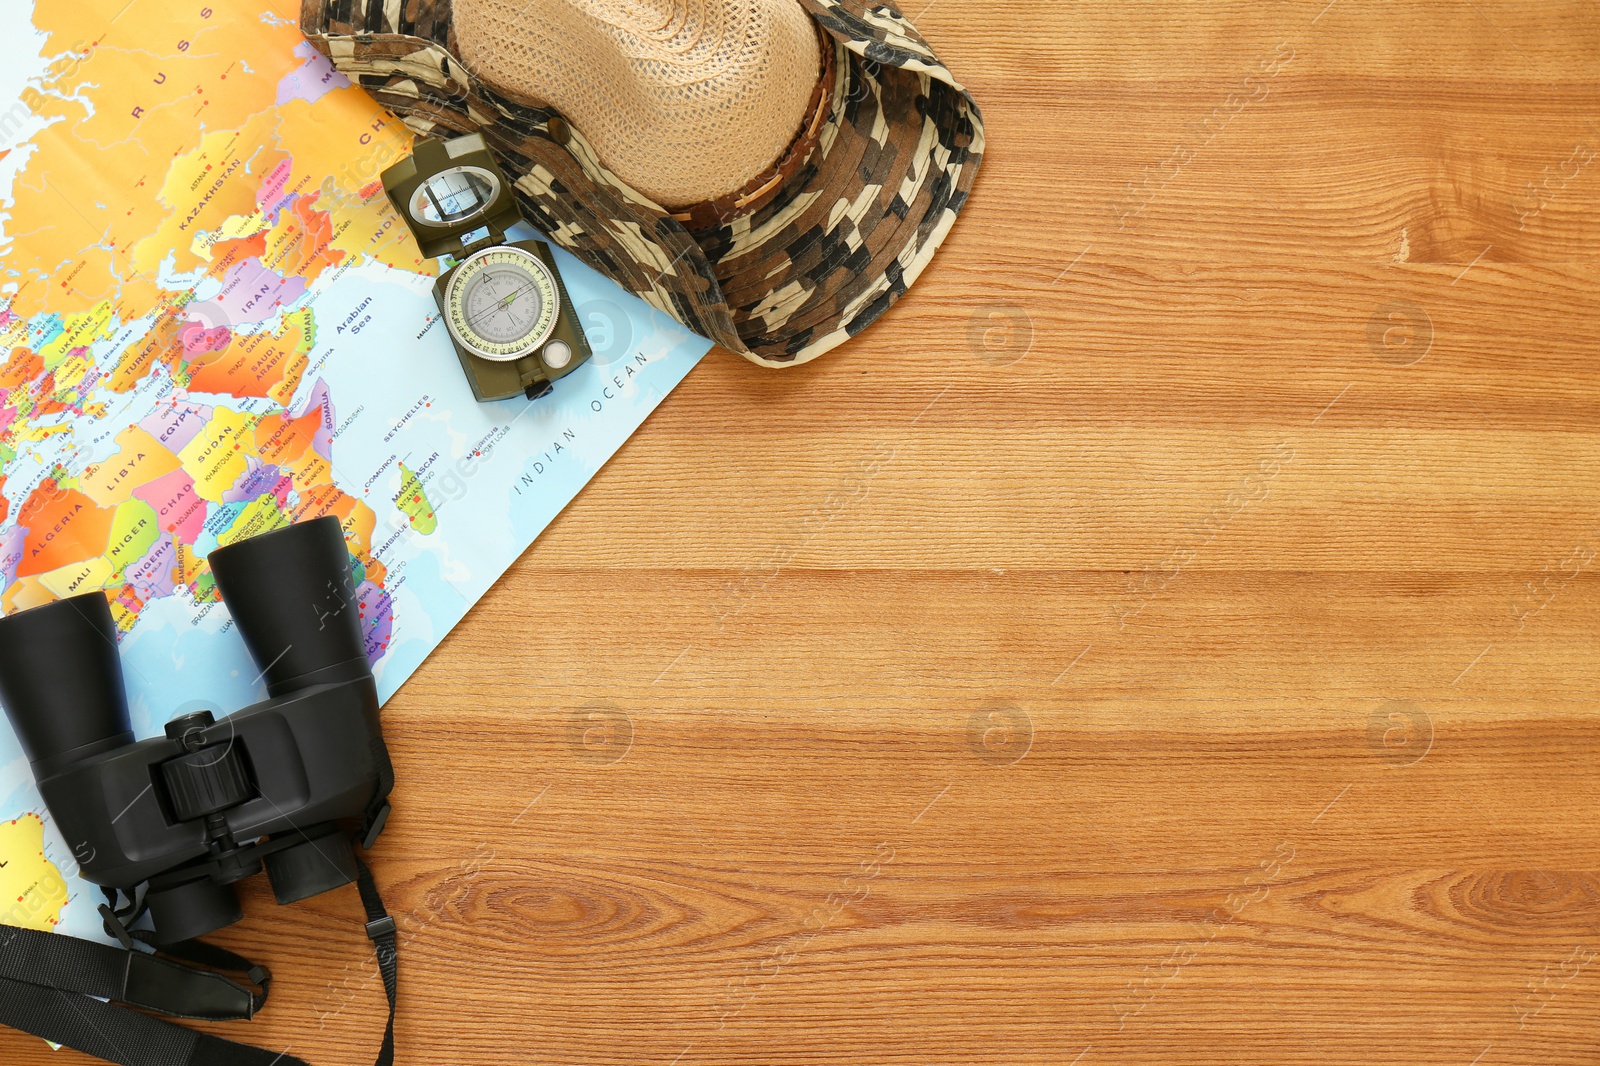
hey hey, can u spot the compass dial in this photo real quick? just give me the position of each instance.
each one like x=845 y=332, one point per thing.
x=501 y=303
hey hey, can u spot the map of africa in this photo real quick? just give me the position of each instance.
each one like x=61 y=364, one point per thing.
x=211 y=325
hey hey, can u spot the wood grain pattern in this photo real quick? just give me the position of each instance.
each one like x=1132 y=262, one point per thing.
x=1170 y=635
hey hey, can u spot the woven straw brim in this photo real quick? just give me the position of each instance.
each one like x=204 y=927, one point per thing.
x=842 y=240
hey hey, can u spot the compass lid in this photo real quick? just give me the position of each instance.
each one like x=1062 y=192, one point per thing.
x=447 y=190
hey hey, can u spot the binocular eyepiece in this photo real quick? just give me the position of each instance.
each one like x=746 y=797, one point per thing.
x=281 y=785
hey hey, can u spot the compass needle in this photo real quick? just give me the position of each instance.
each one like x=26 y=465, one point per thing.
x=504 y=303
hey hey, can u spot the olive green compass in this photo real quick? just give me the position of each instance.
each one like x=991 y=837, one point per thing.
x=504 y=304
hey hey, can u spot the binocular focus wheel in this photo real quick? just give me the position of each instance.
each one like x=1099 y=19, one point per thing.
x=206 y=781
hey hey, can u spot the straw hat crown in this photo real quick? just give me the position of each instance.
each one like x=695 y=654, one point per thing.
x=683 y=100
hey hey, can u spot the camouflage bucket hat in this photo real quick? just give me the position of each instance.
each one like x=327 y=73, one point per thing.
x=779 y=274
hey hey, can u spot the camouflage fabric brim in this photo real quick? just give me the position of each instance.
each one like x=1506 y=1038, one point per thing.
x=842 y=240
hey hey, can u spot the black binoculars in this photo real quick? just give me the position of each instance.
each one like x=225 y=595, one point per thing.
x=285 y=784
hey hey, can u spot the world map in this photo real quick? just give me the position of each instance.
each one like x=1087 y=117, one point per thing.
x=212 y=324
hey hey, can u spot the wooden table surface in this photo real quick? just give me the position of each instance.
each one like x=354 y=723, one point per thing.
x=1168 y=636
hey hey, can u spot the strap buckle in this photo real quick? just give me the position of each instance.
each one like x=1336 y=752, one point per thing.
x=380 y=927
x=376 y=820
x=114 y=927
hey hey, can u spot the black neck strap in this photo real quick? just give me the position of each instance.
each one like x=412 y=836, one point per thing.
x=383 y=934
x=54 y=987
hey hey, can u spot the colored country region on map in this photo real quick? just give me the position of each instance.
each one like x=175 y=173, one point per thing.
x=133 y=530
x=22 y=366
x=260 y=479
x=127 y=603
x=84 y=575
x=251 y=292
x=130 y=533
x=31 y=391
x=241 y=520
x=218 y=521
x=140 y=459
x=310 y=474
x=284 y=439
x=179 y=509
x=207 y=186
x=31 y=888
x=301 y=244
x=64 y=526
x=78 y=331
x=377 y=618
x=268 y=364
x=198 y=341
x=271 y=197
x=71 y=382
x=26 y=592
x=260 y=515
x=239 y=236
x=322 y=499
x=153 y=574
x=321 y=402
x=310 y=81
x=215 y=456
x=413 y=502
x=175 y=423
x=347 y=170
x=12 y=546
x=293 y=228
x=161 y=346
